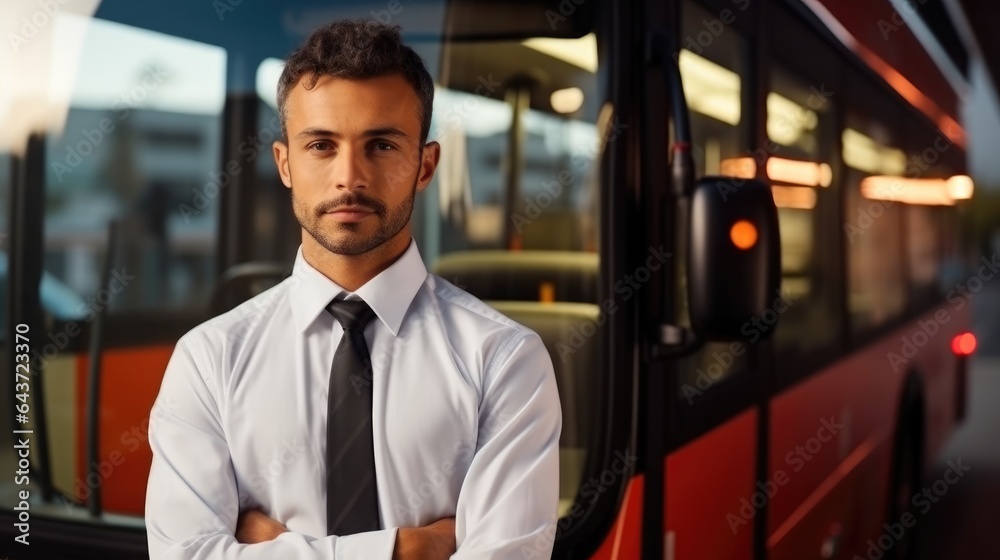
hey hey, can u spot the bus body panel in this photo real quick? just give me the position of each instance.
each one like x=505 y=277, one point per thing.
x=836 y=490
x=705 y=482
x=130 y=380
x=624 y=540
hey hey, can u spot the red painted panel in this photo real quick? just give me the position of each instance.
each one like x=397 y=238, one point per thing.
x=840 y=485
x=706 y=481
x=624 y=540
x=130 y=380
x=888 y=45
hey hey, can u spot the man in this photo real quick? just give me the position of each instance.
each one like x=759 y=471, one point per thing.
x=363 y=408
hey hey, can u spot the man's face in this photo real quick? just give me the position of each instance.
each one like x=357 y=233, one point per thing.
x=354 y=161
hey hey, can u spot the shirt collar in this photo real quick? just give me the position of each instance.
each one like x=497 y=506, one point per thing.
x=389 y=294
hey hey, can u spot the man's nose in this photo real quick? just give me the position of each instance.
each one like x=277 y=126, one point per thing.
x=350 y=169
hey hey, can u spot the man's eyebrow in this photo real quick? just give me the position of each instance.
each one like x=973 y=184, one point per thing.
x=384 y=131
x=314 y=132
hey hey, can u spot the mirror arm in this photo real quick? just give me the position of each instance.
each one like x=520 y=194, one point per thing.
x=673 y=341
x=681 y=160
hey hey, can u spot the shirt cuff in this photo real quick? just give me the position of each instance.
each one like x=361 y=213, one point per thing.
x=377 y=545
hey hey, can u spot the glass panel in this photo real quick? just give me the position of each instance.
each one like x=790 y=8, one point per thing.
x=139 y=145
x=801 y=127
x=874 y=229
x=924 y=242
x=6 y=161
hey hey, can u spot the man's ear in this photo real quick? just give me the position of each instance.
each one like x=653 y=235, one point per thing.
x=428 y=163
x=281 y=159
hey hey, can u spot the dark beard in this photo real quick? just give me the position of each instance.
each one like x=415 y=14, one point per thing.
x=390 y=222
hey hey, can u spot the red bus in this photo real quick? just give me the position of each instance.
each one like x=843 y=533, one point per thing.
x=733 y=223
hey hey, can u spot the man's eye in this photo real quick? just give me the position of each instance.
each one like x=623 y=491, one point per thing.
x=383 y=146
x=320 y=146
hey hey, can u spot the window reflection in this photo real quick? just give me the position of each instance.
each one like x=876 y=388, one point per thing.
x=800 y=126
x=139 y=146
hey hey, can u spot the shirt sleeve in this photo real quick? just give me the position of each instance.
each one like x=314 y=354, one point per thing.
x=508 y=504
x=192 y=501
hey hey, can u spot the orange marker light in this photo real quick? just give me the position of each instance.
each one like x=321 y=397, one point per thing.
x=546 y=292
x=963 y=344
x=744 y=234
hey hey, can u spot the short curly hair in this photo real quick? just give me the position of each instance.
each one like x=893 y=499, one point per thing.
x=356 y=50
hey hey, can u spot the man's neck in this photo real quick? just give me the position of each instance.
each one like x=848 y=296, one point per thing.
x=353 y=271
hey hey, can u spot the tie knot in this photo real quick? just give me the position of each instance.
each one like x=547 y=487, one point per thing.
x=352 y=314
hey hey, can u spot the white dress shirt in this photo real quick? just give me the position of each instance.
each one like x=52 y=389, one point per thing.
x=466 y=423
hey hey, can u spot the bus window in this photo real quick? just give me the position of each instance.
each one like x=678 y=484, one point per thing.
x=801 y=129
x=876 y=272
x=924 y=244
x=511 y=213
x=713 y=74
x=5 y=190
x=140 y=146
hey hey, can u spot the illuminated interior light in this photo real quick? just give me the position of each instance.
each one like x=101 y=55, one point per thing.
x=960 y=187
x=743 y=234
x=807 y=173
x=568 y=100
x=546 y=292
x=825 y=175
x=787 y=121
x=792 y=196
x=710 y=89
x=580 y=52
x=865 y=154
x=743 y=167
x=928 y=192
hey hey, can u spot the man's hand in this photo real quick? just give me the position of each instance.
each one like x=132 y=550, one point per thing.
x=432 y=542
x=254 y=527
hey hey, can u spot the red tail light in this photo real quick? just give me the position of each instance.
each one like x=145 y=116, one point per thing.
x=964 y=344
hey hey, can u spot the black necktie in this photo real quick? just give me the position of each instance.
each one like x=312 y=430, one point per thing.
x=351 y=493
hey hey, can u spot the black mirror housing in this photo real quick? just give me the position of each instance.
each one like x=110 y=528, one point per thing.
x=733 y=256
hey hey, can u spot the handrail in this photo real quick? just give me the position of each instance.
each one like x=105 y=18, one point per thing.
x=93 y=422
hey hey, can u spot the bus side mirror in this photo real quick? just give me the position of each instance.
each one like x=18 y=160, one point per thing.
x=734 y=256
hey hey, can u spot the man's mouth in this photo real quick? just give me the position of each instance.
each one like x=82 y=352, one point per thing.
x=350 y=214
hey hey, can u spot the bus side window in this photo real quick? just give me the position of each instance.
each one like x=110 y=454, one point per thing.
x=801 y=131
x=876 y=272
x=924 y=244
